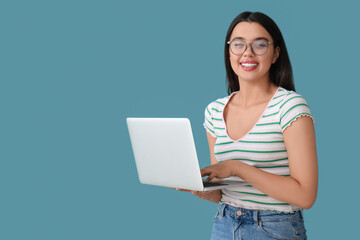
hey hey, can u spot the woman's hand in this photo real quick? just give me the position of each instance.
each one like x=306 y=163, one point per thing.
x=212 y=196
x=219 y=170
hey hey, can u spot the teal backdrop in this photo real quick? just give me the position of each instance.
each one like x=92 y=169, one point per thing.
x=72 y=71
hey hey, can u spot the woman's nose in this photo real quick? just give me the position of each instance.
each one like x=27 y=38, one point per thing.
x=248 y=51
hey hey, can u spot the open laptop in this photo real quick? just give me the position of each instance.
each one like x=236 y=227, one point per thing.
x=165 y=154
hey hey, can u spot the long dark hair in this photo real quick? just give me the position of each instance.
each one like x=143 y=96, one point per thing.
x=280 y=72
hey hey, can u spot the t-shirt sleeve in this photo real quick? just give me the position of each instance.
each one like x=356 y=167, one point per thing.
x=208 y=123
x=294 y=106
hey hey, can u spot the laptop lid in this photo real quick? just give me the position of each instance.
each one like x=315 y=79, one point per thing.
x=165 y=153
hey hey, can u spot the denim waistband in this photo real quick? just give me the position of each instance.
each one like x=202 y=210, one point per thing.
x=256 y=215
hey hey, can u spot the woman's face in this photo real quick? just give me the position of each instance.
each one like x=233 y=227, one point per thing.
x=249 y=66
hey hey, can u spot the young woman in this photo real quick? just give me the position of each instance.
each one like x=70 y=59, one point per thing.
x=263 y=133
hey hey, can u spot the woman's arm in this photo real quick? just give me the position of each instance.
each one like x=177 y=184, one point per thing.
x=300 y=189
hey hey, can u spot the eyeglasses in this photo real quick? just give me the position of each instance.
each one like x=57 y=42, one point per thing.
x=258 y=47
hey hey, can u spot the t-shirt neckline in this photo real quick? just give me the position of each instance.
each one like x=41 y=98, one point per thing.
x=242 y=137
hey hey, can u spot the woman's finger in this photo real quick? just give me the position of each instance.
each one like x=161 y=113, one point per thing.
x=205 y=171
x=210 y=177
x=183 y=190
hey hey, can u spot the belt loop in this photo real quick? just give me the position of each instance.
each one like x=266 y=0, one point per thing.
x=301 y=214
x=222 y=209
x=256 y=217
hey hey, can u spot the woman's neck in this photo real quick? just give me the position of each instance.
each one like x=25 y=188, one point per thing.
x=252 y=94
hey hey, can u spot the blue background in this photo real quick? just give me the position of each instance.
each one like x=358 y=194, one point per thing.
x=72 y=71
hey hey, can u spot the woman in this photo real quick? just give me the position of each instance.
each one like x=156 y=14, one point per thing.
x=262 y=133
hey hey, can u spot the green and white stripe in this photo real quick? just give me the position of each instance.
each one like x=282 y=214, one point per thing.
x=263 y=147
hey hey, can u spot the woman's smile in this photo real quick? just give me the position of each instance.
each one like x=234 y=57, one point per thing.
x=249 y=65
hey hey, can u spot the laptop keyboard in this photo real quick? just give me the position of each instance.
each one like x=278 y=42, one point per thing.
x=213 y=184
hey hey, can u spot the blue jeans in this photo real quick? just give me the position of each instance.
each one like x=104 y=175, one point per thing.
x=244 y=224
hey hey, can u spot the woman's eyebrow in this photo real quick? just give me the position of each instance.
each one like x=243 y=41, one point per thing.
x=262 y=38
x=240 y=38
x=259 y=38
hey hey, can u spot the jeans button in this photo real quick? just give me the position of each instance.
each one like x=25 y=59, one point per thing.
x=239 y=213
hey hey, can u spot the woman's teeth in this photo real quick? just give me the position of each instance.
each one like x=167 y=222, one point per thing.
x=249 y=64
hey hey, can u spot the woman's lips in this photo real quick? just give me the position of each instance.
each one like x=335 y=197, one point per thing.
x=249 y=66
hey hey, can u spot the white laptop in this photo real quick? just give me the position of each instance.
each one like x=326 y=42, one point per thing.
x=165 y=154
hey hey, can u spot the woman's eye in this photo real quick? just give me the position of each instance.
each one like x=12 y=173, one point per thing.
x=260 y=45
x=239 y=44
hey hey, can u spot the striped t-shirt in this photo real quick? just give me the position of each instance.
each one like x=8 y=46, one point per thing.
x=262 y=147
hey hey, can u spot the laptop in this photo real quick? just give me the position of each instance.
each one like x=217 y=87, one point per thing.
x=165 y=155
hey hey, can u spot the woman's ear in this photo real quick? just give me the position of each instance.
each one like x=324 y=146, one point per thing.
x=276 y=54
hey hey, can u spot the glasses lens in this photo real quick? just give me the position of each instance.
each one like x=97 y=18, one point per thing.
x=237 y=47
x=260 y=47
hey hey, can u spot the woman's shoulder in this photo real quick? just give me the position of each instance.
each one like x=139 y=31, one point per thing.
x=213 y=112
x=287 y=98
x=288 y=93
x=292 y=105
x=218 y=103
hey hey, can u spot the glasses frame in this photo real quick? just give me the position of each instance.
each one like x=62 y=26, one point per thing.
x=251 y=47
